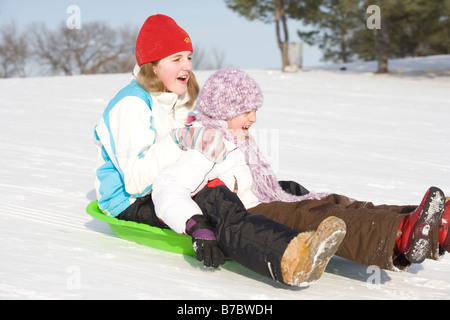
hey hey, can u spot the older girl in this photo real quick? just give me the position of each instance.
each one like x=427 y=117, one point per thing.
x=133 y=134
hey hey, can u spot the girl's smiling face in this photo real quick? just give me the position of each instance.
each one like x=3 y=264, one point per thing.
x=174 y=71
x=241 y=124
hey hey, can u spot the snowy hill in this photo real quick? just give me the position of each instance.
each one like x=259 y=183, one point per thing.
x=381 y=138
x=431 y=67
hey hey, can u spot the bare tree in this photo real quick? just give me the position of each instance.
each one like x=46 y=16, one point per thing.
x=95 y=48
x=199 y=58
x=202 y=60
x=51 y=49
x=126 y=59
x=13 y=52
x=219 y=58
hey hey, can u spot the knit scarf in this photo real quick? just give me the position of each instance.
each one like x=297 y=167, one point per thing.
x=265 y=185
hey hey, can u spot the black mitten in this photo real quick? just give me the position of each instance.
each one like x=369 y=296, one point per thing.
x=204 y=242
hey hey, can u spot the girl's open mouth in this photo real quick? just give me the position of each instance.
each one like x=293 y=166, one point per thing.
x=183 y=79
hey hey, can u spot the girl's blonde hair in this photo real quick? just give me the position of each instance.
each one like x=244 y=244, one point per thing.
x=148 y=80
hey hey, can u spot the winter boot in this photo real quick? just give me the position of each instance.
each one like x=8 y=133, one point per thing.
x=413 y=238
x=444 y=235
x=308 y=254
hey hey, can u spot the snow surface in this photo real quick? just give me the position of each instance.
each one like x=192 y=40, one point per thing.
x=382 y=138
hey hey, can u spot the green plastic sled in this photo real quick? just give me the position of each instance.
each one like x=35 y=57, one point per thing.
x=164 y=239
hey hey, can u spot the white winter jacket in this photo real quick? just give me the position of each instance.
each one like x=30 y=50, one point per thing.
x=134 y=144
x=174 y=187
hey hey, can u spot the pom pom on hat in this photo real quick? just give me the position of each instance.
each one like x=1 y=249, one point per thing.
x=229 y=93
x=160 y=37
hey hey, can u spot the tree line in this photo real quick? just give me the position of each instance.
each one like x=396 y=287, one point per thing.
x=401 y=28
x=407 y=28
x=95 y=48
x=38 y=50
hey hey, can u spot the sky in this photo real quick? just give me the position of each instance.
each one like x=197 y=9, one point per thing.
x=210 y=24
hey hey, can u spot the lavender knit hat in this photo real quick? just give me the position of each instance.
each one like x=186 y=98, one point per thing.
x=229 y=93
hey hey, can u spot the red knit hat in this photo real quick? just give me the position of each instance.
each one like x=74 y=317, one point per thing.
x=160 y=37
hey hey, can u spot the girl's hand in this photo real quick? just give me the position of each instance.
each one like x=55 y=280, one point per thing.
x=206 y=140
x=204 y=242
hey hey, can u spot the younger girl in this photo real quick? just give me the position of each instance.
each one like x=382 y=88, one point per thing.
x=216 y=218
x=391 y=237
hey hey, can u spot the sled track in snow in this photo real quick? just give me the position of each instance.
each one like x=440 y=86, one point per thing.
x=48 y=217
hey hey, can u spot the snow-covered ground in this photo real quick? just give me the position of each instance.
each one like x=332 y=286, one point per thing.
x=431 y=67
x=383 y=138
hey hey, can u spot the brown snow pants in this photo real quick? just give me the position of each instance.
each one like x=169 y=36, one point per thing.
x=371 y=230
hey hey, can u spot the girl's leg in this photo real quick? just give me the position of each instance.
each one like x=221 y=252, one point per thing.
x=371 y=234
x=247 y=239
x=143 y=211
x=264 y=246
x=371 y=230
